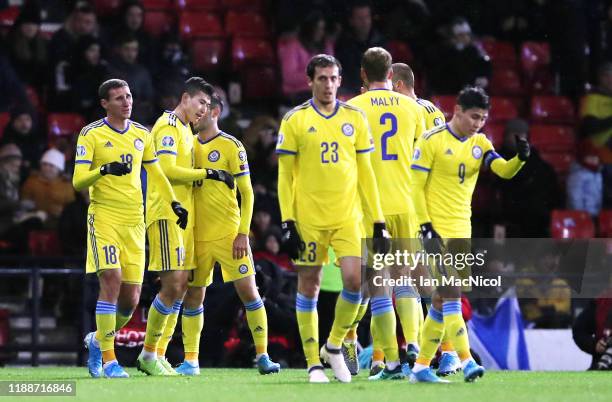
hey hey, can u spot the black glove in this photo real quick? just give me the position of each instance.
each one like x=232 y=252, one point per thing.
x=431 y=239
x=522 y=148
x=381 y=241
x=221 y=175
x=115 y=169
x=181 y=213
x=291 y=242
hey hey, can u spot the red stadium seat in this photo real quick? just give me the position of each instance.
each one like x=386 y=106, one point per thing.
x=158 y=4
x=446 y=104
x=65 y=123
x=502 y=54
x=559 y=161
x=158 y=22
x=506 y=82
x=243 y=4
x=198 y=4
x=200 y=25
x=248 y=51
x=207 y=54
x=534 y=56
x=259 y=82
x=502 y=110
x=106 y=7
x=400 y=51
x=246 y=24
x=549 y=138
x=552 y=109
x=567 y=224
x=495 y=133
x=44 y=243
x=8 y=16
x=5 y=117
x=605 y=223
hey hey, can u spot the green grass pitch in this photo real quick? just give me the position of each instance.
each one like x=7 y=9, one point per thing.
x=244 y=385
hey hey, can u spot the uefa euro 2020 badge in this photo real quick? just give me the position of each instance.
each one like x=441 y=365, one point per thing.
x=347 y=129
x=167 y=141
x=80 y=150
x=417 y=154
x=213 y=156
x=138 y=144
x=476 y=152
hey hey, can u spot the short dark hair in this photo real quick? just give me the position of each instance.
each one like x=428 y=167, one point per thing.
x=403 y=72
x=473 y=97
x=194 y=85
x=107 y=85
x=376 y=62
x=126 y=37
x=358 y=4
x=215 y=98
x=322 y=60
x=83 y=7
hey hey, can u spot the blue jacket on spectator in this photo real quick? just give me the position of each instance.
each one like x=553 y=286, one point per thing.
x=584 y=189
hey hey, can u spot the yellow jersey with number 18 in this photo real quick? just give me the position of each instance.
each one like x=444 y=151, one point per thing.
x=325 y=175
x=116 y=199
x=395 y=121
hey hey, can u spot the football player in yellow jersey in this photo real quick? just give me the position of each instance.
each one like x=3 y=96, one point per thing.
x=403 y=82
x=395 y=120
x=222 y=227
x=446 y=164
x=324 y=151
x=170 y=249
x=107 y=150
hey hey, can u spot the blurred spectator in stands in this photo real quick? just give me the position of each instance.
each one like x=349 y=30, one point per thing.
x=172 y=64
x=126 y=67
x=295 y=52
x=409 y=21
x=27 y=48
x=607 y=31
x=260 y=140
x=584 y=182
x=458 y=62
x=22 y=130
x=11 y=88
x=72 y=226
x=48 y=188
x=592 y=330
x=17 y=218
x=356 y=37
x=131 y=20
x=269 y=250
x=526 y=201
x=168 y=95
x=53 y=11
x=81 y=22
x=88 y=71
x=228 y=120
x=596 y=125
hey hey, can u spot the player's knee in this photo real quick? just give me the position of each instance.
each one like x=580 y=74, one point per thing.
x=194 y=297
x=352 y=283
x=110 y=284
x=310 y=289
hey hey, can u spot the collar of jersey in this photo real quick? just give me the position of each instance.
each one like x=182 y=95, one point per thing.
x=210 y=139
x=321 y=114
x=178 y=118
x=114 y=129
x=462 y=139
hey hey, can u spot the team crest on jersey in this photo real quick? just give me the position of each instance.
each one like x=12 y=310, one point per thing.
x=81 y=150
x=437 y=121
x=138 y=144
x=167 y=141
x=347 y=129
x=477 y=152
x=417 y=154
x=213 y=156
x=243 y=269
x=242 y=156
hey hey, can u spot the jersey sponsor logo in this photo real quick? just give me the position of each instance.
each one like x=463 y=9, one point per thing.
x=214 y=156
x=108 y=144
x=347 y=129
x=80 y=150
x=167 y=141
x=417 y=154
x=476 y=152
x=448 y=152
x=243 y=269
x=138 y=144
x=437 y=121
x=312 y=129
x=242 y=156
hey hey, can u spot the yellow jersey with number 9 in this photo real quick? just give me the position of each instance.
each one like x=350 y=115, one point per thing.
x=325 y=175
x=395 y=121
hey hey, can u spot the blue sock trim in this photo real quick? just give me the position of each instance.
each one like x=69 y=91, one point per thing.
x=351 y=297
x=161 y=307
x=451 y=307
x=254 y=305
x=381 y=305
x=176 y=307
x=305 y=304
x=103 y=307
x=405 y=292
x=364 y=302
x=188 y=312
x=436 y=315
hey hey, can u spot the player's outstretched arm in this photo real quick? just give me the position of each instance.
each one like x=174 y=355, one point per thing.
x=286 y=196
x=507 y=169
x=84 y=177
x=157 y=176
x=247 y=200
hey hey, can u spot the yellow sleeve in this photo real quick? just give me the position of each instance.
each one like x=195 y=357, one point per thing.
x=422 y=163
x=368 y=187
x=166 y=143
x=83 y=177
x=247 y=199
x=286 y=148
x=501 y=167
x=157 y=175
